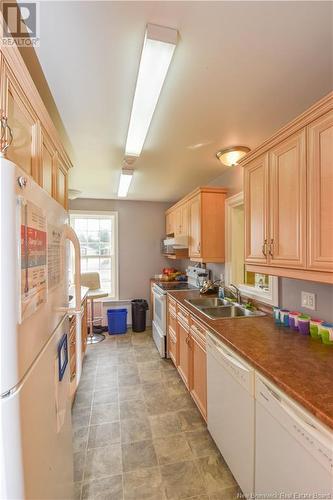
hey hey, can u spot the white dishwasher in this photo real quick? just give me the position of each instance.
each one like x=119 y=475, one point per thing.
x=230 y=410
x=294 y=452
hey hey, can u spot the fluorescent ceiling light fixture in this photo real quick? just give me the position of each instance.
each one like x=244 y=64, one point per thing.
x=231 y=156
x=124 y=182
x=158 y=48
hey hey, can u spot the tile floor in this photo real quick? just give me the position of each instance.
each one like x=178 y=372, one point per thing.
x=137 y=434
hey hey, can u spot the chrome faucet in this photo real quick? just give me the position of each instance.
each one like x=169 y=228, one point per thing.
x=234 y=291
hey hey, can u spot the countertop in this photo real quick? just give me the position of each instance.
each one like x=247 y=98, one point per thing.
x=71 y=291
x=297 y=364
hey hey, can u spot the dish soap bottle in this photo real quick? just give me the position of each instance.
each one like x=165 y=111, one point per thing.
x=221 y=287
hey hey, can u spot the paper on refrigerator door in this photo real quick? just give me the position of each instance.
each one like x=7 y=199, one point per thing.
x=33 y=258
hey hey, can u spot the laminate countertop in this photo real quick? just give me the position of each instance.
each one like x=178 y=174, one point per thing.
x=297 y=364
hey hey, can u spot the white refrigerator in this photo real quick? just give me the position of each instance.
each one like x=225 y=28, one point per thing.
x=35 y=432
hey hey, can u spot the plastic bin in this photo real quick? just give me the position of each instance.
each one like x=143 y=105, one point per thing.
x=139 y=308
x=117 y=321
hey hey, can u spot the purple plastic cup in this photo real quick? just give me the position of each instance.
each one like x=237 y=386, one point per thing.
x=293 y=320
x=304 y=324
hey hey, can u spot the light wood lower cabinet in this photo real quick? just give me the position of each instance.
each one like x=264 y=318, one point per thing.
x=186 y=344
x=183 y=351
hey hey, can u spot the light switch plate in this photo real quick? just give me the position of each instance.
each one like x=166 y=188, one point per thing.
x=309 y=300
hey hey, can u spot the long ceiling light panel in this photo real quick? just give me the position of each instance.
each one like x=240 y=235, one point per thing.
x=158 y=48
x=124 y=182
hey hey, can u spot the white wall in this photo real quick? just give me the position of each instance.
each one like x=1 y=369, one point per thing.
x=141 y=228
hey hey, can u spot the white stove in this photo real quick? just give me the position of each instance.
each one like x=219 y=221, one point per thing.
x=195 y=277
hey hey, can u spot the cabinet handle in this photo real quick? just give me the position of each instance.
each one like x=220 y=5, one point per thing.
x=198 y=247
x=271 y=245
x=264 y=251
x=4 y=126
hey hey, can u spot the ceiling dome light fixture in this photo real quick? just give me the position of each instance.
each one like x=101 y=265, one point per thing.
x=231 y=156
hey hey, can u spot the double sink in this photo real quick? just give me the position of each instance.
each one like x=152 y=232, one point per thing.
x=215 y=308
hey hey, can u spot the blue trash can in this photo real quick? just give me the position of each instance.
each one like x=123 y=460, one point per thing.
x=117 y=321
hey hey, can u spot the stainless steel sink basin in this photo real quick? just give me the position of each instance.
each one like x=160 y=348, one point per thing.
x=207 y=302
x=233 y=311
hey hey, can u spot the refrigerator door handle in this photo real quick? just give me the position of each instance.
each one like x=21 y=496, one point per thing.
x=70 y=235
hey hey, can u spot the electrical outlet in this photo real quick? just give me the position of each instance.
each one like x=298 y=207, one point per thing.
x=309 y=300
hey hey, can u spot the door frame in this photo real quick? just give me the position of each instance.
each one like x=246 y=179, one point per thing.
x=271 y=297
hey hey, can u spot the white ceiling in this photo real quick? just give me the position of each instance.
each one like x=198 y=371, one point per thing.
x=240 y=71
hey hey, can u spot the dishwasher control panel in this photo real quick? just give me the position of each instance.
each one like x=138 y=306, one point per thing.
x=310 y=434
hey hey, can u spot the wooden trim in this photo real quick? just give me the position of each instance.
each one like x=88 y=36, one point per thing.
x=298 y=274
x=319 y=108
x=198 y=190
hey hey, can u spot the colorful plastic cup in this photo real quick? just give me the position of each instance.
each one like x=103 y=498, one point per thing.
x=314 y=328
x=304 y=324
x=293 y=320
x=325 y=330
x=276 y=314
x=284 y=317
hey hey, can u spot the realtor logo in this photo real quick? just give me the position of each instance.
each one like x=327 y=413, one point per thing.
x=20 y=25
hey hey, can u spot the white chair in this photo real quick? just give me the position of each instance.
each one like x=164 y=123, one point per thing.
x=92 y=281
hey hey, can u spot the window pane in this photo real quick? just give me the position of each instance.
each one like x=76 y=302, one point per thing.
x=93 y=224
x=96 y=241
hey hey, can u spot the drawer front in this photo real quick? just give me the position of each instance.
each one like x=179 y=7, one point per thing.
x=183 y=315
x=198 y=332
x=172 y=345
x=172 y=306
x=172 y=321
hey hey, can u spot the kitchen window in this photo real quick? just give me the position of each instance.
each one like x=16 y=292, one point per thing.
x=98 y=236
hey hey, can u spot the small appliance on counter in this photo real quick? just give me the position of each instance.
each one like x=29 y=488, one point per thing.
x=195 y=278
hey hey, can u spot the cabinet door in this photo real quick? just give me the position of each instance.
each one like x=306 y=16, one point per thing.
x=172 y=345
x=183 y=352
x=47 y=166
x=184 y=214
x=195 y=227
x=23 y=123
x=256 y=210
x=198 y=385
x=169 y=223
x=61 y=183
x=84 y=327
x=177 y=214
x=287 y=179
x=320 y=194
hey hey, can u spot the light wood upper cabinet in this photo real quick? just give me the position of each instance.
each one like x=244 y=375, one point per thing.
x=288 y=186
x=47 y=168
x=287 y=210
x=36 y=147
x=195 y=226
x=256 y=210
x=320 y=193
x=23 y=123
x=200 y=216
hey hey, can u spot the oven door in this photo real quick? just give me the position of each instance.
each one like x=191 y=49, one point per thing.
x=159 y=309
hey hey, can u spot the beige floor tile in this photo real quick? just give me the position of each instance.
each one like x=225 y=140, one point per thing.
x=172 y=449
x=103 y=413
x=104 y=435
x=157 y=405
x=80 y=417
x=138 y=455
x=79 y=464
x=191 y=420
x=80 y=438
x=148 y=376
x=135 y=429
x=105 y=396
x=77 y=491
x=215 y=473
x=108 y=488
x=165 y=424
x=130 y=392
x=128 y=369
x=125 y=380
x=144 y=484
x=103 y=462
x=182 y=480
x=132 y=409
x=201 y=443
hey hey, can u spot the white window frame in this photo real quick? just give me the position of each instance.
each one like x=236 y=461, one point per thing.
x=271 y=296
x=93 y=214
